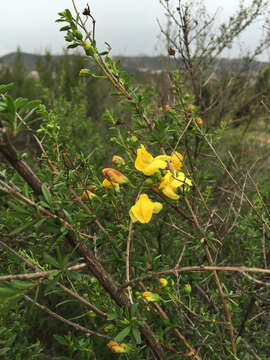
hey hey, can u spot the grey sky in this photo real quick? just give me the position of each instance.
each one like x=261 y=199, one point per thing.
x=129 y=26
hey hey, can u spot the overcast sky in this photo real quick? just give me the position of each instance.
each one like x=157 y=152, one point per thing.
x=129 y=26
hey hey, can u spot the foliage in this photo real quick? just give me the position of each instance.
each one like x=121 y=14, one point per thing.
x=138 y=234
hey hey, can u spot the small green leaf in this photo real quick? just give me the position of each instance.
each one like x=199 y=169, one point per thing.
x=137 y=335
x=124 y=333
x=5 y=88
x=29 y=105
x=72 y=46
x=21 y=228
x=46 y=194
x=10 y=106
x=50 y=260
x=133 y=310
x=65 y=28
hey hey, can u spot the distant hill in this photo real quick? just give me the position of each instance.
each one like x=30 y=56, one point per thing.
x=154 y=64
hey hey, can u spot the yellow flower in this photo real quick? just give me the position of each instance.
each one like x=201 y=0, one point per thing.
x=163 y=282
x=144 y=208
x=118 y=160
x=147 y=295
x=170 y=183
x=114 y=176
x=116 y=347
x=168 y=108
x=108 y=185
x=149 y=165
x=176 y=160
x=150 y=297
x=88 y=194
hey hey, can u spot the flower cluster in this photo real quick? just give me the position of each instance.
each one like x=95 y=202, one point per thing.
x=172 y=180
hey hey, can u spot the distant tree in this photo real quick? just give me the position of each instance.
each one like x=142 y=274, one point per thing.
x=197 y=43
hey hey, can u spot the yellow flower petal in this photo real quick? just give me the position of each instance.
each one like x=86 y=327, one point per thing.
x=147 y=295
x=87 y=194
x=157 y=207
x=163 y=282
x=176 y=160
x=170 y=183
x=169 y=191
x=144 y=158
x=108 y=185
x=155 y=165
x=149 y=165
x=144 y=208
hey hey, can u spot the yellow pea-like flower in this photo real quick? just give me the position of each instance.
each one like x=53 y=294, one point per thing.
x=144 y=208
x=147 y=164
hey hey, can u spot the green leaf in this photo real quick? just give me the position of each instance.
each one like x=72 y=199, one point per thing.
x=20 y=102
x=30 y=105
x=124 y=333
x=113 y=317
x=5 y=88
x=46 y=194
x=68 y=15
x=50 y=260
x=72 y=46
x=67 y=215
x=137 y=335
x=11 y=109
x=21 y=228
x=60 y=339
x=65 y=28
x=133 y=310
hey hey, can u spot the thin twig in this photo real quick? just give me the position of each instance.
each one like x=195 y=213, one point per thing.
x=41 y=274
x=62 y=319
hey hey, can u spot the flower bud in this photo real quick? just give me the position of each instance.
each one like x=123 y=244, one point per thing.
x=199 y=121
x=191 y=107
x=163 y=282
x=88 y=48
x=134 y=139
x=187 y=288
x=85 y=73
x=114 y=176
x=78 y=34
x=118 y=160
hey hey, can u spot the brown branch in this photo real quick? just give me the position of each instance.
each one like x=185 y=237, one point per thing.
x=11 y=155
x=64 y=288
x=41 y=274
x=240 y=269
x=68 y=322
